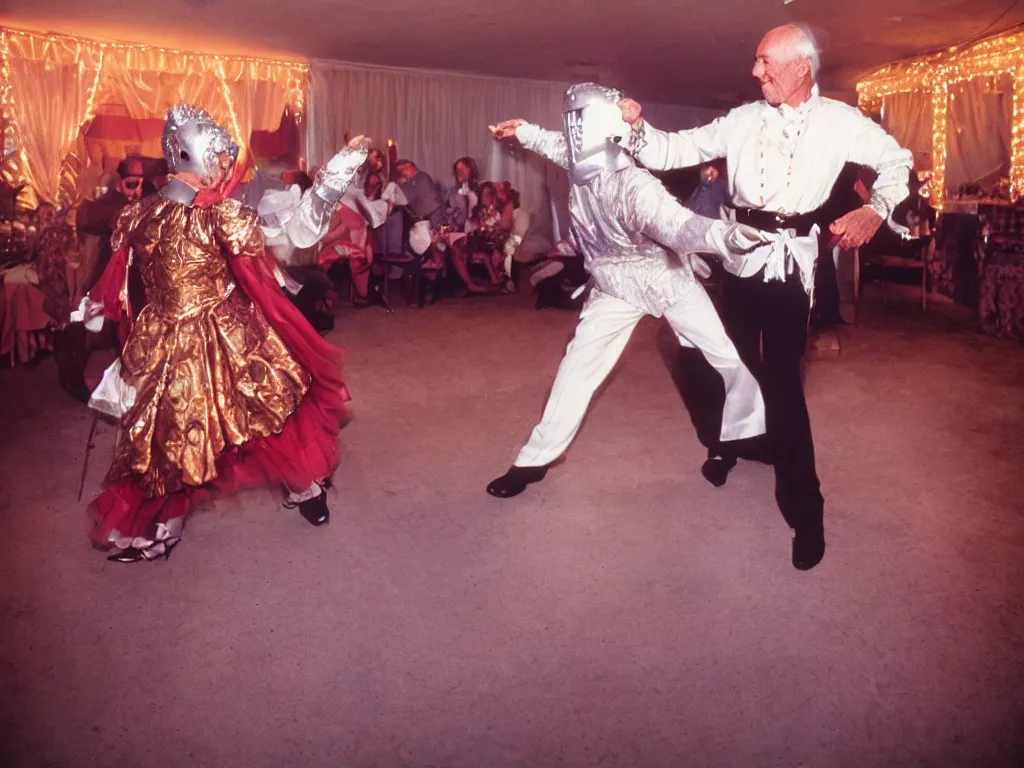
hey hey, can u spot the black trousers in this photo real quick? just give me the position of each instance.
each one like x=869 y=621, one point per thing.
x=826 y=286
x=768 y=324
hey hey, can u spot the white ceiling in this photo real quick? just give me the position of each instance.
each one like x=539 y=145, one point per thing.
x=694 y=52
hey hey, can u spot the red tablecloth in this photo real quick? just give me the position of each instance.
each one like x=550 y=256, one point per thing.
x=21 y=315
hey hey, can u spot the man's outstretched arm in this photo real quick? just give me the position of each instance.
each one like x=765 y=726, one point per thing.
x=663 y=151
x=550 y=144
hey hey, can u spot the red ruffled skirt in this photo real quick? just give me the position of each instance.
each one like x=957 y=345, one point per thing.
x=306 y=450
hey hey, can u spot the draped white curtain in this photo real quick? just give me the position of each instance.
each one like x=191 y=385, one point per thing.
x=257 y=94
x=50 y=88
x=673 y=117
x=907 y=117
x=239 y=94
x=435 y=118
x=978 y=131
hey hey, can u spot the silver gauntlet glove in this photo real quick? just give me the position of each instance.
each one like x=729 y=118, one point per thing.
x=334 y=178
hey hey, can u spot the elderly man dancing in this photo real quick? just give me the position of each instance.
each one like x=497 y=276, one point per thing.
x=784 y=155
x=627 y=225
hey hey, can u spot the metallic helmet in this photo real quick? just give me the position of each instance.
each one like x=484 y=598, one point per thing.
x=194 y=143
x=594 y=131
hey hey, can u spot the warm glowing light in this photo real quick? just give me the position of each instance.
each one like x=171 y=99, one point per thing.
x=242 y=140
x=936 y=74
x=290 y=76
x=391 y=143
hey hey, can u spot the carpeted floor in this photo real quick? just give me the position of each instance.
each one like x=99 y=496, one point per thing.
x=621 y=613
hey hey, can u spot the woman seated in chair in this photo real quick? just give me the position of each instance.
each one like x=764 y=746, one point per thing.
x=492 y=222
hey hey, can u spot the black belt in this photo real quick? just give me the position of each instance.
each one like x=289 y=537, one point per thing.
x=770 y=221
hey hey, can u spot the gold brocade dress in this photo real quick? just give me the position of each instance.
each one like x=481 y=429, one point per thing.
x=207 y=369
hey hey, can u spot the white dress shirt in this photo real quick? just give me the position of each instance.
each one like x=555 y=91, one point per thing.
x=785 y=160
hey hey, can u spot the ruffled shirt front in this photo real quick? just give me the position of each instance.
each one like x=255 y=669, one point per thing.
x=785 y=160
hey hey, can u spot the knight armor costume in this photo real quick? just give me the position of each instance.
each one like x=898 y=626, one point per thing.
x=639 y=245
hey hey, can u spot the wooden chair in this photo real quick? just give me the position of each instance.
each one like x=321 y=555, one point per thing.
x=919 y=253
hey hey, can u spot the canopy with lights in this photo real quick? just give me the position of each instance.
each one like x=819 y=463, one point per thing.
x=961 y=111
x=52 y=85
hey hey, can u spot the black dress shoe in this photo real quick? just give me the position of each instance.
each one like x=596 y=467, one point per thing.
x=315 y=510
x=514 y=482
x=134 y=555
x=716 y=470
x=127 y=555
x=77 y=389
x=808 y=548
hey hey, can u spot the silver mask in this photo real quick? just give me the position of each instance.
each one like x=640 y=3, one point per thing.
x=594 y=131
x=194 y=143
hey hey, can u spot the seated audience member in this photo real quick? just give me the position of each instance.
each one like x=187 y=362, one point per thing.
x=712 y=193
x=490 y=226
x=422 y=199
x=458 y=204
x=558 y=278
x=424 y=206
x=374 y=185
x=375 y=180
x=519 y=226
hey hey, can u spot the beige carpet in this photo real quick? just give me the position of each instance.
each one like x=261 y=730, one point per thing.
x=621 y=613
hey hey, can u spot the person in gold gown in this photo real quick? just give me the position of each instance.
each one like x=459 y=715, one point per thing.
x=221 y=383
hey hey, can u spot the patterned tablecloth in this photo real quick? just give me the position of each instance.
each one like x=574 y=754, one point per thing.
x=979 y=262
x=21 y=314
x=1001 y=304
x=954 y=271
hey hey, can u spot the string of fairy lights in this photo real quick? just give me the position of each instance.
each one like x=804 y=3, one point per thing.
x=938 y=74
x=6 y=114
x=291 y=76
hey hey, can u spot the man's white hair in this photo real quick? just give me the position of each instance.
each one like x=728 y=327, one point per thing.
x=806 y=47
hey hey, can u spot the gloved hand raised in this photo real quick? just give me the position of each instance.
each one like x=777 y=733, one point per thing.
x=333 y=179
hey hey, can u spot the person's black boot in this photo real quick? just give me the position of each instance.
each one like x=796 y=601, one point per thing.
x=315 y=510
x=69 y=351
x=716 y=470
x=548 y=293
x=514 y=482
x=808 y=547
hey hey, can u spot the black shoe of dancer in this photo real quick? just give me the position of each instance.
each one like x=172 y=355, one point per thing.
x=514 y=482
x=716 y=469
x=133 y=555
x=808 y=547
x=315 y=510
x=71 y=353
